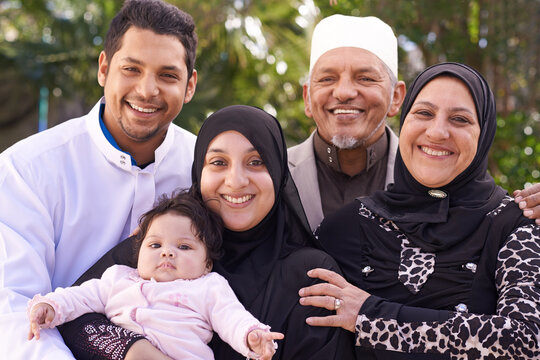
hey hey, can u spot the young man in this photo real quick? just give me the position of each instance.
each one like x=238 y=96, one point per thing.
x=352 y=87
x=71 y=193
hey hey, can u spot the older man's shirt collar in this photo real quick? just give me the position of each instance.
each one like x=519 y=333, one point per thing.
x=328 y=153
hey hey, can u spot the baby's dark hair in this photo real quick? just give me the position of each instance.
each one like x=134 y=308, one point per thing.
x=206 y=225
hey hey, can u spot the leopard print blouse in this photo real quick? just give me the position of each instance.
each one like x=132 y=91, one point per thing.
x=406 y=314
x=513 y=333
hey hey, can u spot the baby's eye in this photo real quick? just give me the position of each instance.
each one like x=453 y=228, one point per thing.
x=184 y=247
x=155 y=246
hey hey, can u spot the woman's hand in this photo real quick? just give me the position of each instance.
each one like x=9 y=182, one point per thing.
x=529 y=201
x=337 y=292
x=262 y=342
x=41 y=315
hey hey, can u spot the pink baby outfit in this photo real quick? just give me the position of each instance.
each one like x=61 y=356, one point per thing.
x=176 y=316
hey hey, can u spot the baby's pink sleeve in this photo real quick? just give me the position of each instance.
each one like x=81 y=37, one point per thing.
x=230 y=319
x=71 y=302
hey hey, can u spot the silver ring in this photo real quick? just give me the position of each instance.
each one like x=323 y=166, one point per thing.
x=337 y=303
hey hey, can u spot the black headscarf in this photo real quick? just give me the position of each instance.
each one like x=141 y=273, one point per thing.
x=250 y=256
x=266 y=265
x=433 y=223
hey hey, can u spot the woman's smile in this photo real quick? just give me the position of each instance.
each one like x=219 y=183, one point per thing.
x=434 y=152
x=237 y=199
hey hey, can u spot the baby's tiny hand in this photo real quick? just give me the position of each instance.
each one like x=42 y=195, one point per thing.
x=262 y=342
x=41 y=315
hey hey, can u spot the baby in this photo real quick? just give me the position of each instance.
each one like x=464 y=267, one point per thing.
x=172 y=298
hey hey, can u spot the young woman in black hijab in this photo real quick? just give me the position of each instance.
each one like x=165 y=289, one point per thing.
x=442 y=264
x=240 y=170
x=265 y=255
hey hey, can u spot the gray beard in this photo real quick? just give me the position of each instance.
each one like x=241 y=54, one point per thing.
x=345 y=142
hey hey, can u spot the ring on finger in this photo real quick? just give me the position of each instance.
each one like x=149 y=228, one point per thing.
x=337 y=303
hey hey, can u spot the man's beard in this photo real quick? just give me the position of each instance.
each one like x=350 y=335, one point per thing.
x=348 y=142
x=345 y=142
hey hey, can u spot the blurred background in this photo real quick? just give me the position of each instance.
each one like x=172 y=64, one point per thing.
x=257 y=52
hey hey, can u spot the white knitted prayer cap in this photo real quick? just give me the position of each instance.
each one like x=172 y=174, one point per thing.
x=369 y=33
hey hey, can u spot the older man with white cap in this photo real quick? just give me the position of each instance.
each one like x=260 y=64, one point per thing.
x=352 y=88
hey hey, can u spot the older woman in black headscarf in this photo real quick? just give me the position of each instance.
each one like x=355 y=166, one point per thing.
x=240 y=170
x=443 y=264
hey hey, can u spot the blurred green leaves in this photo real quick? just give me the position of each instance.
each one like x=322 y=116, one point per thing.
x=515 y=155
x=257 y=52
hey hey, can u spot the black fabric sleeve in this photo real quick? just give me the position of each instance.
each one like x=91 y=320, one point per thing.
x=278 y=306
x=93 y=337
x=306 y=341
x=375 y=307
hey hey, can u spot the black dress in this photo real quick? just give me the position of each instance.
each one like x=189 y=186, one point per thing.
x=277 y=305
x=426 y=305
x=265 y=266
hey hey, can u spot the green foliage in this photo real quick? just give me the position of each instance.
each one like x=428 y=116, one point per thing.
x=242 y=52
x=55 y=43
x=257 y=52
x=515 y=154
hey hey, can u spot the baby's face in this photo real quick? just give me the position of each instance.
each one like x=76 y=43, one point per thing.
x=171 y=251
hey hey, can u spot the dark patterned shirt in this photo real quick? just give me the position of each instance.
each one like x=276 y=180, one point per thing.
x=421 y=308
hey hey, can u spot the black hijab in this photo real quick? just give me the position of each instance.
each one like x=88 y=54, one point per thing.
x=432 y=223
x=249 y=256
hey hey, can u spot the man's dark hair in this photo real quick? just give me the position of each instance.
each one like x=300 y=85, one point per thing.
x=206 y=225
x=157 y=16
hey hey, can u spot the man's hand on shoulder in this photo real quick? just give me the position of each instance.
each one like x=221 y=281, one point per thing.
x=529 y=201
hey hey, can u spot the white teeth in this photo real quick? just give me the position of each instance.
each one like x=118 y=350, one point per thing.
x=346 y=111
x=142 y=109
x=434 y=152
x=239 y=200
